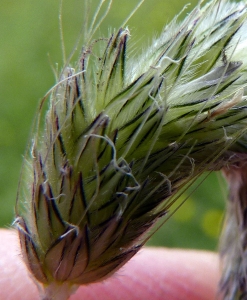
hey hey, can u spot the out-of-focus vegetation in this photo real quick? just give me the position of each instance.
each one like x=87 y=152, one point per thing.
x=30 y=44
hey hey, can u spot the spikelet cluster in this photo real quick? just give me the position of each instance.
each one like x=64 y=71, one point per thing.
x=122 y=136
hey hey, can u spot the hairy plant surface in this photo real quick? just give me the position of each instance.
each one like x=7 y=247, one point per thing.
x=123 y=136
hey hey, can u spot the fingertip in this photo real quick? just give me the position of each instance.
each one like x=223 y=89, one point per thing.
x=154 y=273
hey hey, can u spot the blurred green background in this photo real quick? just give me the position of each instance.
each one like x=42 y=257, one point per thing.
x=30 y=43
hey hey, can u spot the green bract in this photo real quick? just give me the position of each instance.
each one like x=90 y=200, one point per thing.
x=122 y=136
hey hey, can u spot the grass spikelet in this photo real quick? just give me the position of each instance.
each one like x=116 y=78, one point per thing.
x=123 y=136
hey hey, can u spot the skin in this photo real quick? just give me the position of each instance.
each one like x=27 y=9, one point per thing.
x=154 y=273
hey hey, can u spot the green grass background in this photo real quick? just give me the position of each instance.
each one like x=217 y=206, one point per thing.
x=29 y=43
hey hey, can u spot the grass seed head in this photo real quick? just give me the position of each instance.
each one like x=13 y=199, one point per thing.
x=122 y=136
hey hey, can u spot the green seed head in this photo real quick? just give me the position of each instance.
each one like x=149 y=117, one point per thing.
x=122 y=136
